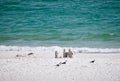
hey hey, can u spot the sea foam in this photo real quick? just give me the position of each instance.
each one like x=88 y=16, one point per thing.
x=58 y=48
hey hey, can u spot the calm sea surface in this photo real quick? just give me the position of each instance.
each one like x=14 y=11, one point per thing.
x=76 y=23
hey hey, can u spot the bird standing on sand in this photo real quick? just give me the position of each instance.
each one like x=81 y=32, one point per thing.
x=58 y=64
x=64 y=62
x=30 y=53
x=92 y=61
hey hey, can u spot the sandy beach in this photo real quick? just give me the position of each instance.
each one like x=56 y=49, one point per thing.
x=59 y=40
x=41 y=66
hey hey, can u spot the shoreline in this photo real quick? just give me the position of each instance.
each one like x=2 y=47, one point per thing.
x=49 y=52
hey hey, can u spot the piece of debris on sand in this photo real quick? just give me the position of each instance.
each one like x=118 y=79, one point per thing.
x=19 y=55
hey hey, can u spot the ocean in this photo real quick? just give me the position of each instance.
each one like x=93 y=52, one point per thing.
x=64 y=23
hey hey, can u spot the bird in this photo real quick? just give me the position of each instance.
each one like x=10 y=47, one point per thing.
x=64 y=62
x=92 y=61
x=58 y=64
x=30 y=53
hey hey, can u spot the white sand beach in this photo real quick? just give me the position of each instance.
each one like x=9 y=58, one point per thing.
x=41 y=66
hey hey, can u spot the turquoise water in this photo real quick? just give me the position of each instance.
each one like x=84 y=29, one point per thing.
x=77 y=23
